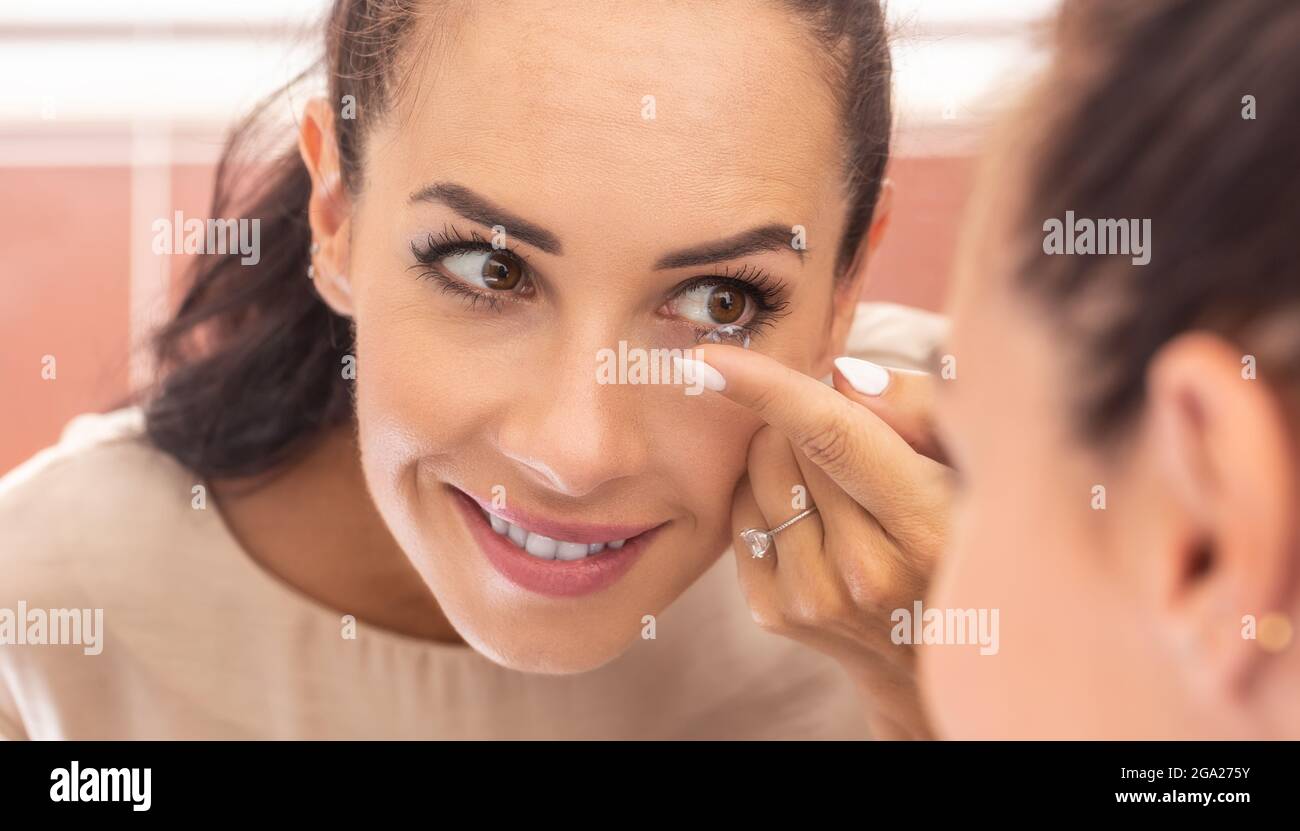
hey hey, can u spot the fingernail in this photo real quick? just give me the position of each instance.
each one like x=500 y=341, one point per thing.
x=695 y=371
x=864 y=376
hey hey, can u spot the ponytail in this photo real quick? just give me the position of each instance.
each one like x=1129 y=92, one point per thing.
x=252 y=360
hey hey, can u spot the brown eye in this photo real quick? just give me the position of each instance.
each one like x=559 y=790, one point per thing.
x=501 y=271
x=725 y=304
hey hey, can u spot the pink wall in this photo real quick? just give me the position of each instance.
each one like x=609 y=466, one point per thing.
x=65 y=287
x=913 y=262
x=63 y=292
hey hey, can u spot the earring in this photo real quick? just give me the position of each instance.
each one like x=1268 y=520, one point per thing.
x=311 y=267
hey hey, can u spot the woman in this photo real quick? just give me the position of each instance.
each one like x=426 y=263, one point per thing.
x=1147 y=579
x=381 y=489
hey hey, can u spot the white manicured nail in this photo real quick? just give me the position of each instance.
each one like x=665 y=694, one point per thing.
x=695 y=372
x=866 y=377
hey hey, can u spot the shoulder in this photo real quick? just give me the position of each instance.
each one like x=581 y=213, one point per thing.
x=105 y=566
x=744 y=682
x=100 y=494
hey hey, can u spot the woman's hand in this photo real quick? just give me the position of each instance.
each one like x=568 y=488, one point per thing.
x=871 y=466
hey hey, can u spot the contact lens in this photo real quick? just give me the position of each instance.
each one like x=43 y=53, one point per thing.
x=731 y=334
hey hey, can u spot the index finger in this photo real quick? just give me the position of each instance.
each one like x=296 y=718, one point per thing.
x=858 y=450
x=903 y=398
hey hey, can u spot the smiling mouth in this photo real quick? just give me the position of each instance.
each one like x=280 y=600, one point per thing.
x=543 y=547
x=550 y=557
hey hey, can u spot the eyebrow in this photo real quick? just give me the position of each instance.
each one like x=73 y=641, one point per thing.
x=772 y=237
x=478 y=208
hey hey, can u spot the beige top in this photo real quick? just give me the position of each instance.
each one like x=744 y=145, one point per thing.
x=198 y=641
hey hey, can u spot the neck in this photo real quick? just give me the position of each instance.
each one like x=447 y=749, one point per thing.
x=314 y=526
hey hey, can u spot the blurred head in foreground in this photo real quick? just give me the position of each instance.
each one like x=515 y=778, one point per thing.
x=1125 y=413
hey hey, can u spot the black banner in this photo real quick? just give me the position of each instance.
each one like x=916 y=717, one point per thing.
x=336 y=779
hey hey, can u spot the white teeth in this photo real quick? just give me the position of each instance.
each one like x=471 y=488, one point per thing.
x=545 y=548
x=571 y=551
x=517 y=535
x=539 y=546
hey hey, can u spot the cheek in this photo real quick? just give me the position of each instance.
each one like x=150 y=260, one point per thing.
x=965 y=690
x=700 y=444
x=1018 y=546
x=425 y=381
x=408 y=401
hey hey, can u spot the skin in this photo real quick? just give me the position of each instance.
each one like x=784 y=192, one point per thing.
x=1111 y=625
x=449 y=395
x=834 y=579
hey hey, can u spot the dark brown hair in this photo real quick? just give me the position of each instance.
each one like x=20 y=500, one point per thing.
x=252 y=360
x=1142 y=115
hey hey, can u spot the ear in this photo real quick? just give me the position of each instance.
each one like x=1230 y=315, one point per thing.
x=849 y=287
x=1225 y=449
x=329 y=208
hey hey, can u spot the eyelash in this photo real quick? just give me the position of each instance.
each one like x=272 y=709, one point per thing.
x=448 y=242
x=767 y=292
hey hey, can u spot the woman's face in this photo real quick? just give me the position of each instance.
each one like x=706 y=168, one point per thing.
x=646 y=166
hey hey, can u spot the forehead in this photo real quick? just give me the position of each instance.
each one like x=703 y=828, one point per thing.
x=700 y=112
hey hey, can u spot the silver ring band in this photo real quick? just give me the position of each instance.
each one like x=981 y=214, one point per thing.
x=792 y=520
x=760 y=541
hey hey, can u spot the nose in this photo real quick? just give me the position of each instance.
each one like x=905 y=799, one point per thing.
x=569 y=433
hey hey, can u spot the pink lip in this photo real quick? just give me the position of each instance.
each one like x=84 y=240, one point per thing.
x=562 y=530
x=555 y=578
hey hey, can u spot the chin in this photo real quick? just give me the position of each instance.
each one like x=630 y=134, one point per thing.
x=546 y=650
